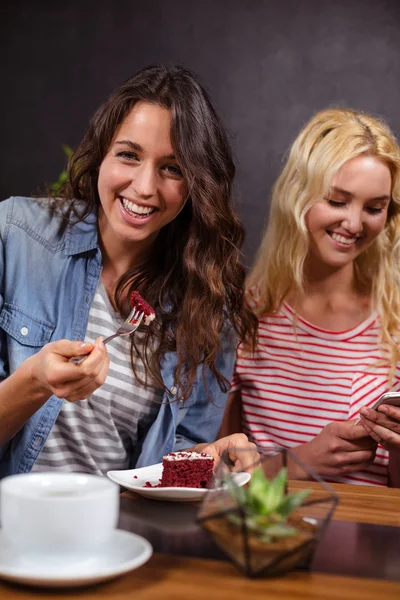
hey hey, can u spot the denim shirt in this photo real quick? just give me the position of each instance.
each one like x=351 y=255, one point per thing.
x=49 y=270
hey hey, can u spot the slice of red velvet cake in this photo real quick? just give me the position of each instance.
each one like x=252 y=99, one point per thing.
x=187 y=469
x=141 y=305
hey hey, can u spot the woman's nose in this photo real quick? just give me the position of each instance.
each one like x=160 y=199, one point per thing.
x=144 y=181
x=354 y=221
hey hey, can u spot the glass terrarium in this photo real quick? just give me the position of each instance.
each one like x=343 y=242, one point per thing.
x=274 y=522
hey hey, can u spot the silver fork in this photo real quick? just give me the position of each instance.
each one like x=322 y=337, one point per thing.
x=128 y=327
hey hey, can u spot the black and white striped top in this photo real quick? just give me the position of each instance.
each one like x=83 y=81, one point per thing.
x=100 y=433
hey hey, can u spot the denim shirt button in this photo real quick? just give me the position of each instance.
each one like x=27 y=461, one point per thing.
x=173 y=390
x=24 y=331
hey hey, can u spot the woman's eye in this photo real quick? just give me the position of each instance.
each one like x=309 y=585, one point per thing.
x=335 y=203
x=127 y=155
x=174 y=170
x=374 y=210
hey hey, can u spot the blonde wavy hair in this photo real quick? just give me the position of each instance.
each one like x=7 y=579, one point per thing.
x=328 y=140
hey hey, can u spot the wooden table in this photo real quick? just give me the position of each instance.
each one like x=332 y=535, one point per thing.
x=167 y=577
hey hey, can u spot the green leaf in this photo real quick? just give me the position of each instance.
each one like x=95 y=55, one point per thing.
x=276 y=491
x=258 y=482
x=266 y=505
x=292 y=501
x=54 y=189
x=257 y=491
x=238 y=494
x=67 y=150
x=63 y=177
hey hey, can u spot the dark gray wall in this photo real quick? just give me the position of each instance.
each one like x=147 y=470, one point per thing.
x=268 y=65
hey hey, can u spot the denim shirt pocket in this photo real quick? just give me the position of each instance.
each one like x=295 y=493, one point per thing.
x=23 y=328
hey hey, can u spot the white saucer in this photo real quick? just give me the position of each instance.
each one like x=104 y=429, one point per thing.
x=124 y=552
x=135 y=479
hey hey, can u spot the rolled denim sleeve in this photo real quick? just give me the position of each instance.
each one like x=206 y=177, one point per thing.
x=200 y=421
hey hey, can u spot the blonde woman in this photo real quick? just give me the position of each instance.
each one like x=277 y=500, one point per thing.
x=326 y=289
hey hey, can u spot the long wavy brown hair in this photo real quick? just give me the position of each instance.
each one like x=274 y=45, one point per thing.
x=193 y=276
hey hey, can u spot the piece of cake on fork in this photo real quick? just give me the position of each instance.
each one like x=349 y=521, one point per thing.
x=141 y=305
x=187 y=469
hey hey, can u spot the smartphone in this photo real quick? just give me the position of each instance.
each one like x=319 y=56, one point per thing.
x=392 y=398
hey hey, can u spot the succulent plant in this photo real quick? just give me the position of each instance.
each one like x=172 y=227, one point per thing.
x=266 y=505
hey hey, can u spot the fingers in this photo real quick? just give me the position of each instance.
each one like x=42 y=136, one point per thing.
x=344 y=436
x=89 y=385
x=68 y=380
x=241 y=453
x=354 y=459
x=387 y=434
x=349 y=430
x=390 y=411
x=55 y=361
x=349 y=468
x=345 y=463
x=69 y=349
x=340 y=448
x=382 y=424
x=90 y=366
x=93 y=374
x=364 y=443
x=246 y=461
x=374 y=435
x=212 y=451
x=385 y=416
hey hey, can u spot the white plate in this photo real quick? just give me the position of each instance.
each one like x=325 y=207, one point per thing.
x=135 y=479
x=125 y=551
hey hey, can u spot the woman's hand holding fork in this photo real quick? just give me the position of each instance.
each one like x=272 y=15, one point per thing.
x=53 y=372
x=49 y=372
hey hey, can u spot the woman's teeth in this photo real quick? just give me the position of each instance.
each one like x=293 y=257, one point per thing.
x=343 y=240
x=136 y=210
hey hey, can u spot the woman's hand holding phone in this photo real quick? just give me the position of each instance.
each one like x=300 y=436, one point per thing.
x=342 y=447
x=382 y=421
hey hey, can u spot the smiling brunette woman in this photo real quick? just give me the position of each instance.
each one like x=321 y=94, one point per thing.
x=147 y=207
x=326 y=288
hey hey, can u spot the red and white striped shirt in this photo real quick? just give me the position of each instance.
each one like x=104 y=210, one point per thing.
x=301 y=378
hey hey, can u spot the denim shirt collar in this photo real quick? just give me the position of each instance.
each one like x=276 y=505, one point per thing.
x=82 y=236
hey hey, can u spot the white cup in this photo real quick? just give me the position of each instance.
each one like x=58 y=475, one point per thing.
x=57 y=517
